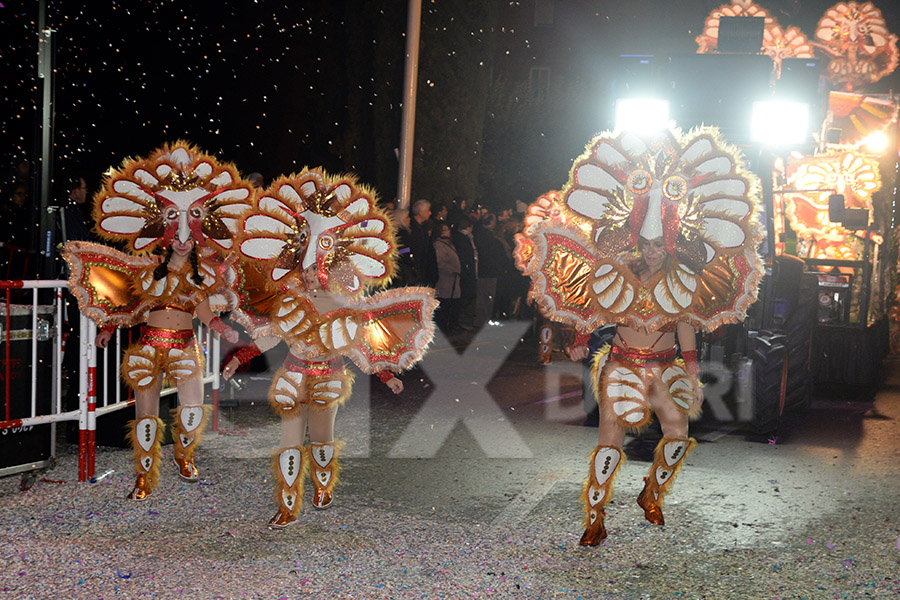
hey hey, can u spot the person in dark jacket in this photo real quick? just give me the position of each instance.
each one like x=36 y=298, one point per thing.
x=468 y=259
x=420 y=244
x=447 y=290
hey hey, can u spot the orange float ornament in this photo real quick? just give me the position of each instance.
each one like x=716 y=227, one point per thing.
x=708 y=41
x=856 y=37
x=778 y=43
x=858 y=116
x=854 y=176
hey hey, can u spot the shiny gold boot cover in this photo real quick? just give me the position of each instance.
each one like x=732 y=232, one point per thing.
x=144 y=436
x=667 y=459
x=324 y=470
x=597 y=491
x=289 y=471
x=188 y=423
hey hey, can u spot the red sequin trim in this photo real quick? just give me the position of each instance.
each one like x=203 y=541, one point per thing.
x=167 y=338
x=247 y=353
x=641 y=358
x=314 y=368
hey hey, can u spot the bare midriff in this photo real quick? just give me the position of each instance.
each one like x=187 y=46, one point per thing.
x=170 y=319
x=655 y=341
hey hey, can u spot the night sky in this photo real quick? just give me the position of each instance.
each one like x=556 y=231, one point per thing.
x=262 y=84
x=276 y=85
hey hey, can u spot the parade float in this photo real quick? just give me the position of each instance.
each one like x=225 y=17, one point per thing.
x=822 y=318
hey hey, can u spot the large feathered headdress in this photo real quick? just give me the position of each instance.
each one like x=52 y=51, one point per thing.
x=178 y=192
x=331 y=222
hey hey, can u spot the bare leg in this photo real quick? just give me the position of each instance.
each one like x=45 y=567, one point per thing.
x=146 y=401
x=190 y=391
x=293 y=428
x=321 y=424
x=674 y=422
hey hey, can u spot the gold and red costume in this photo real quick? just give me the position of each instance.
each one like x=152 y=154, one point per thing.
x=330 y=225
x=691 y=191
x=180 y=194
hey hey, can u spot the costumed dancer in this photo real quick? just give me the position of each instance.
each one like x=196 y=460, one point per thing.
x=176 y=212
x=684 y=203
x=324 y=243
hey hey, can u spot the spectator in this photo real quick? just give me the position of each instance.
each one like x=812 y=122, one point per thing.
x=468 y=259
x=447 y=290
x=75 y=212
x=456 y=211
x=494 y=261
x=256 y=180
x=420 y=244
x=439 y=216
x=406 y=267
x=15 y=218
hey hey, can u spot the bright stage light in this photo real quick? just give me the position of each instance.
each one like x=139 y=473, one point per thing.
x=641 y=115
x=876 y=142
x=779 y=123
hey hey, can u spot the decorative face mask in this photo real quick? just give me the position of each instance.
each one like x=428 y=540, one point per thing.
x=178 y=193
x=689 y=190
x=313 y=219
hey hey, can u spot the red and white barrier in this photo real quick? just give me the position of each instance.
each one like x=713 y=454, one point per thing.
x=89 y=389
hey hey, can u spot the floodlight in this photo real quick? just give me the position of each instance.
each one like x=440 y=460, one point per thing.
x=779 y=123
x=876 y=142
x=641 y=115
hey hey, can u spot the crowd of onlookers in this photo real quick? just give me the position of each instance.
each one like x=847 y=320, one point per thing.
x=466 y=256
x=463 y=252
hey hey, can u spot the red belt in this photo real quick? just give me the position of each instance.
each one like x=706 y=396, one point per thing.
x=315 y=368
x=167 y=338
x=642 y=357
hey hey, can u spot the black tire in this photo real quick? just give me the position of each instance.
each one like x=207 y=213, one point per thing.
x=768 y=351
x=798 y=329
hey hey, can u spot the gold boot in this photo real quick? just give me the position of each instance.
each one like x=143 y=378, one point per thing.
x=597 y=491
x=143 y=434
x=289 y=471
x=667 y=458
x=324 y=473
x=188 y=423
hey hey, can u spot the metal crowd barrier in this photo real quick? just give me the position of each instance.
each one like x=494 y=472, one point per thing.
x=91 y=402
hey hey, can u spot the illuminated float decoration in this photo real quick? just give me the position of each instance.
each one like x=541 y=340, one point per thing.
x=778 y=43
x=858 y=116
x=856 y=38
x=850 y=174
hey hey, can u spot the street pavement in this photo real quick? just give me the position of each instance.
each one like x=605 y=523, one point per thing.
x=467 y=485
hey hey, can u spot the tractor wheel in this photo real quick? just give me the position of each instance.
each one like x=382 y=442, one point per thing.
x=768 y=351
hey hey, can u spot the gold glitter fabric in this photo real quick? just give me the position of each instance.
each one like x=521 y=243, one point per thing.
x=115 y=288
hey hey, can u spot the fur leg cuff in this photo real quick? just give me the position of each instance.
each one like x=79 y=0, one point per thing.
x=144 y=437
